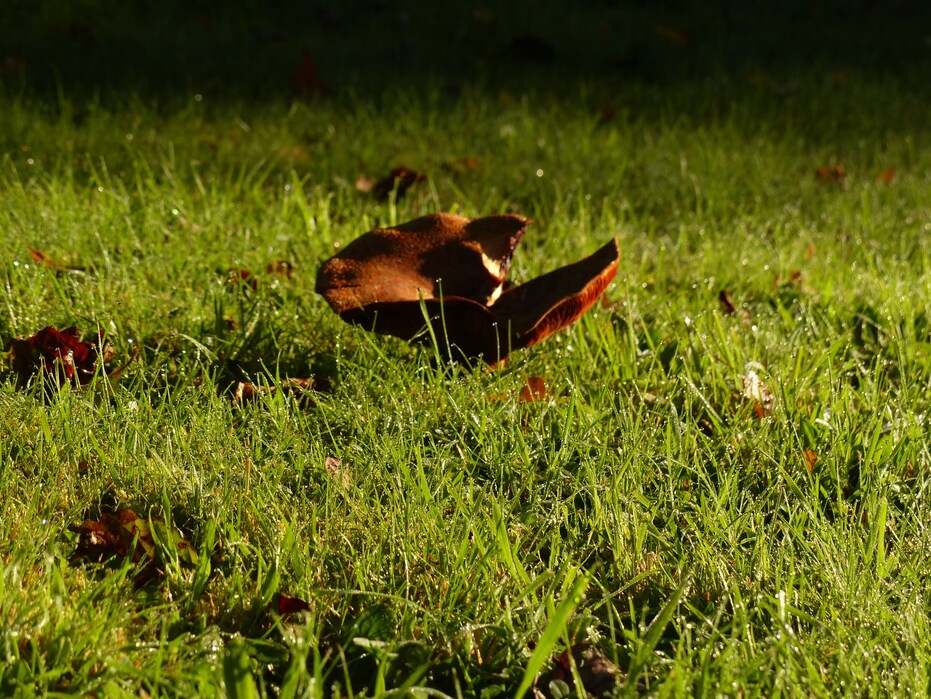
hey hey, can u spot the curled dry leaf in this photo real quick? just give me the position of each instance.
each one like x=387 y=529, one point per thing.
x=455 y=270
x=599 y=676
x=116 y=534
x=60 y=355
x=887 y=175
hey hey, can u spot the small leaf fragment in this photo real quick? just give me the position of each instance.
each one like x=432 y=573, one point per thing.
x=831 y=174
x=887 y=175
x=339 y=473
x=290 y=605
x=534 y=389
x=811 y=458
x=59 y=268
x=599 y=675
x=757 y=392
x=399 y=181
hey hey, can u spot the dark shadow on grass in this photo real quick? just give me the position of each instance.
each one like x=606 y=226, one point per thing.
x=264 y=50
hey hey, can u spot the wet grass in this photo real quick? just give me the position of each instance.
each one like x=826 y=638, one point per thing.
x=434 y=523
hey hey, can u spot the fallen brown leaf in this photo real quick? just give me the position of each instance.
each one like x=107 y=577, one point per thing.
x=831 y=174
x=461 y=164
x=337 y=471
x=887 y=175
x=242 y=276
x=290 y=605
x=455 y=270
x=399 y=180
x=116 y=534
x=59 y=267
x=598 y=675
x=534 y=389
x=727 y=306
x=811 y=458
x=58 y=354
x=246 y=391
x=281 y=268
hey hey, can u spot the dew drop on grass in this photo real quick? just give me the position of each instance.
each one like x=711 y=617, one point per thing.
x=539 y=173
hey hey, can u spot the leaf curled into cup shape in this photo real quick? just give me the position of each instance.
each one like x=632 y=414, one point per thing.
x=452 y=272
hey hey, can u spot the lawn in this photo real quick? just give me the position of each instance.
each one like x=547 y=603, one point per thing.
x=716 y=481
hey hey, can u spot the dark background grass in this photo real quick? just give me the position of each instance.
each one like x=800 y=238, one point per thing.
x=255 y=49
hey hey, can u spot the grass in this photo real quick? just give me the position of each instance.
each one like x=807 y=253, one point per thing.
x=646 y=506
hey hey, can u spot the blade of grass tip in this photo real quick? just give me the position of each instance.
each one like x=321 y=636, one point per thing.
x=236 y=671
x=653 y=634
x=551 y=634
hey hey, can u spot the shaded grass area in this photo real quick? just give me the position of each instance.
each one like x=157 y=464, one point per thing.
x=452 y=521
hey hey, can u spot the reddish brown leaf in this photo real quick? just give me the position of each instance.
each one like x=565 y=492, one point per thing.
x=456 y=270
x=887 y=175
x=599 y=675
x=831 y=174
x=246 y=392
x=58 y=354
x=59 y=268
x=116 y=534
x=399 y=180
x=461 y=165
x=727 y=306
x=281 y=268
x=534 y=389
x=242 y=276
x=113 y=535
x=811 y=458
x=337 y=471
x=291 y=605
